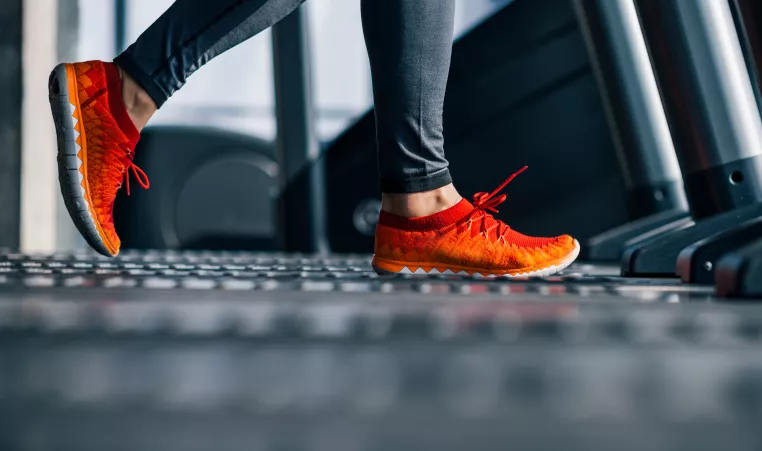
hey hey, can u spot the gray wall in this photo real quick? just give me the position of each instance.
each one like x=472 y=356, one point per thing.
x=67 y=236
x=10 y=121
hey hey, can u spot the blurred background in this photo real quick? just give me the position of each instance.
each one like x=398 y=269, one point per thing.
x=523 y=90
x=236 y=93
x=551 y=84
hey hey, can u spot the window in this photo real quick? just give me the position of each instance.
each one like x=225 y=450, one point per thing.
x=236 y=91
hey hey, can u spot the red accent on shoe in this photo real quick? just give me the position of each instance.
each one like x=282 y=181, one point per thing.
x=116 y=105
x=431 y=222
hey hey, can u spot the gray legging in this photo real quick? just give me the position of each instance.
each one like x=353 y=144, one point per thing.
x=409 y=44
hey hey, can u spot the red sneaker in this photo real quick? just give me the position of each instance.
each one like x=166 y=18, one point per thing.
x=96 y=143
x=466 y=239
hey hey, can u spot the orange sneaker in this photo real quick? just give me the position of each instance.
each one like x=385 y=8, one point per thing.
x=96 y=141
x=466 y=239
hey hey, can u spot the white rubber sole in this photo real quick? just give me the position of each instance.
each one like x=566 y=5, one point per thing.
x=544 y=272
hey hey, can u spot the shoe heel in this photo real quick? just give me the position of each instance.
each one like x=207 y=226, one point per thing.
x=54 y=88
x=383 y=268
x=57 y=82
x=383 y=272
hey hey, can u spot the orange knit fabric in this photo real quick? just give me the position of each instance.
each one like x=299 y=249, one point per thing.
x=110 y=139
x=465 y=236
x=456 y=245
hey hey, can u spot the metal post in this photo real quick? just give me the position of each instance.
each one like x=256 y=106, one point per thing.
x=748 y=19
x=638 y=123
x=10 y=122
x=120 y=26
x=709 y=100
x=717 y=130
x=302 y=201
x=631 y=98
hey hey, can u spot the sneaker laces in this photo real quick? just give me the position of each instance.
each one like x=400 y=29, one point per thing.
x=124 y=158
x=487 y=202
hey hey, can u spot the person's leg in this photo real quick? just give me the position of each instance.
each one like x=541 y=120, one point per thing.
x=425 y=226
x=409 y=45
x=187 y=36
x=100 y=108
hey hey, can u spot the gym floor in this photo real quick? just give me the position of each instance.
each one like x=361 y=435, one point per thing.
x=321 y=353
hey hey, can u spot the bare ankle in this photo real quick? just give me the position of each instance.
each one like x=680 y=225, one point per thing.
x=420 y=204
x=140 y=106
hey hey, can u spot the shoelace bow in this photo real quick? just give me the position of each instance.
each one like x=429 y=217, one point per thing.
x=487 y=202
x=124 y=157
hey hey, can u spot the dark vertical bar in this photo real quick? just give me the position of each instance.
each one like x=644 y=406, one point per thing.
x=748 y=18
x=302 y=202
x=709 y=100
x=11 y=80
x=631 y=98
x=68 y=30
x=120 y=26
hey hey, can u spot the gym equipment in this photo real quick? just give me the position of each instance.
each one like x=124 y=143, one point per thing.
x=748 y=17
x=215 y=189
x=715 y=124
x=695 y=264
x=520 y=91
x=301 y=218
x=287 y=273
x=219 y=350
x=739 y=272
x=618 y=54
x=523 y=102
x=220 y=189
x=12 y=81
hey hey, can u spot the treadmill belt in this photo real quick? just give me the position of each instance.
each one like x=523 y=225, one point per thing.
x=223 y=350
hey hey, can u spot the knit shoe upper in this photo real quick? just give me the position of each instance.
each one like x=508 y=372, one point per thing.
x=467 y=239
x=96 y=142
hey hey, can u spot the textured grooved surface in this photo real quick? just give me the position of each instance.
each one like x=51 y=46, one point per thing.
x=432 y=268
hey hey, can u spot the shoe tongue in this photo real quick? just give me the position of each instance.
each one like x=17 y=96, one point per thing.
x=116 y=105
